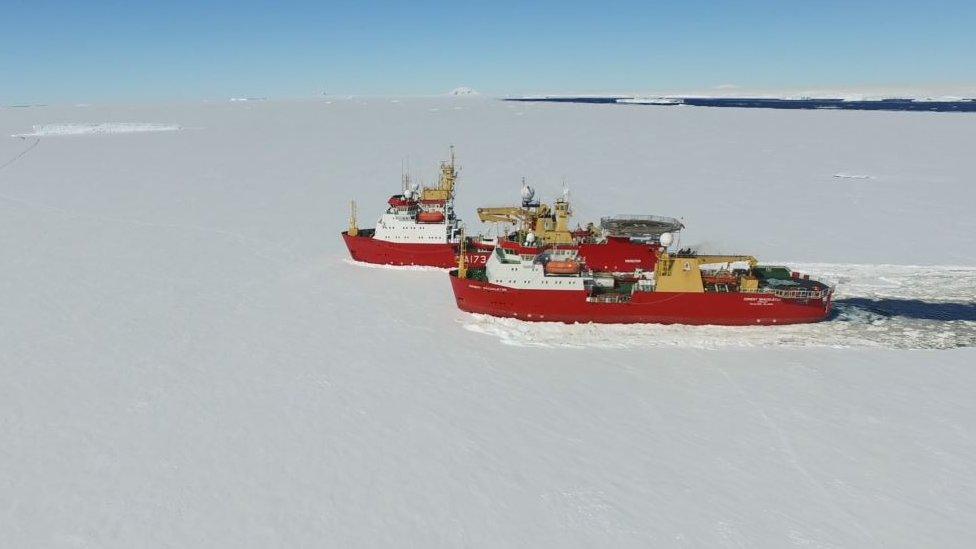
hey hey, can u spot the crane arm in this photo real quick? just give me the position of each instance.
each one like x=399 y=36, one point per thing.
x=706 y=259
x=512 y=214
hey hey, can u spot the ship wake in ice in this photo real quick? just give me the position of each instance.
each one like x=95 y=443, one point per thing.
x=393 y=267
x=881 y=306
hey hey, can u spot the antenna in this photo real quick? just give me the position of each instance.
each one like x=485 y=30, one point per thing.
x=404 y=177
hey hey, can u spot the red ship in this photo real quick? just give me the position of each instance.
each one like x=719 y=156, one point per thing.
x=554 y=284
x=622 y=244
x=420 y=228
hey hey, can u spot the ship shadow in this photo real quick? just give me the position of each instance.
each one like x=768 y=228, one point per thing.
x=907 y=308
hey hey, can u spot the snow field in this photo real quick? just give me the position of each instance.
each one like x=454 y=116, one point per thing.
x=187 y=360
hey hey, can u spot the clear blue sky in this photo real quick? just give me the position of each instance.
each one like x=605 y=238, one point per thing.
x=134 y=50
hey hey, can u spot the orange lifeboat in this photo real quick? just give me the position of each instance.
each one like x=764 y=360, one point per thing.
x=567 y=267
x=400 y=201
x=430 y=217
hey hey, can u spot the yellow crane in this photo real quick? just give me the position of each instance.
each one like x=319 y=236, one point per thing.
x=550 y=225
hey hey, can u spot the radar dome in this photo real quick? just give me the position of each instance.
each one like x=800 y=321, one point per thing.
x=528 y=193
x=530 y=238
x=666 y=239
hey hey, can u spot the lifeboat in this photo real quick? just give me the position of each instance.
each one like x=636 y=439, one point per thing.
x=430 y=217
x=399 y=201
x=567 y=267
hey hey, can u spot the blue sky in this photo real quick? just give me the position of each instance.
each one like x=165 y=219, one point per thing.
x=185 y=50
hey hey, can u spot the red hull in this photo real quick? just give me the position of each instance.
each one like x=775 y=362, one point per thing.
x=728 y=309
x=615 y=255
x=619 y=255
x=369 y=250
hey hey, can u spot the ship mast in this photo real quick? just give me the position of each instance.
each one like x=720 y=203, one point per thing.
x=462 y=260
x=353 y=229
x=444 y=191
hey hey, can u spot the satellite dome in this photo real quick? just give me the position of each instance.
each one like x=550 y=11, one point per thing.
x=666 y=239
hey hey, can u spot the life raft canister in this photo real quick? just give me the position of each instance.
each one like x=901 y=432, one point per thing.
x=430 y=217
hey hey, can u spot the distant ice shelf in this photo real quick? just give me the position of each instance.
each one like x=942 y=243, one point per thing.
x=947 y=104
x=650 y=101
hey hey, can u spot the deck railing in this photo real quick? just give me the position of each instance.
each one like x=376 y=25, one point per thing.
x=792 y=293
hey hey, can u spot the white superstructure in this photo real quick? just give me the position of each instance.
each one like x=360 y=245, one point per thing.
x=400 y=224
x=422 y=216
x=527 y=271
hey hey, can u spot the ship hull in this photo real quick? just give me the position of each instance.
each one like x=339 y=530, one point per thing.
x=367 y=249
x=570 y=306
x=614 y=255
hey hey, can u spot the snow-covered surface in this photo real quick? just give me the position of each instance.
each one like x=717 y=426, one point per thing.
x=852 y=176
x=51 y=130
x=189 y=360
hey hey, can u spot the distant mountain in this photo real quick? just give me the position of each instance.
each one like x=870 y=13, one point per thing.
x=463 y=90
